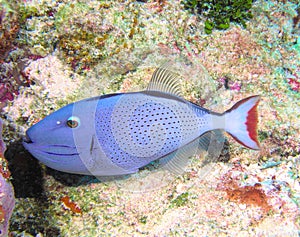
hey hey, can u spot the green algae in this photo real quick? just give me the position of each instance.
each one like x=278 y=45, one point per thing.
x=28 y=12
x=66 y=12
x=180 y=200
x=77 y=43
x=219 y=14
x=37 y=32
x=9 y=26
x=6 y=6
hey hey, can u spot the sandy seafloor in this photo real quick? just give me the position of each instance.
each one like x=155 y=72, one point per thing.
x=89 y=48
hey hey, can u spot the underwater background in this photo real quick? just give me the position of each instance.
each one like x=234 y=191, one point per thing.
x=56 y=52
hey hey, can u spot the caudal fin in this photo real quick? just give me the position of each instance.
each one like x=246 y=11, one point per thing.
x=241 y=122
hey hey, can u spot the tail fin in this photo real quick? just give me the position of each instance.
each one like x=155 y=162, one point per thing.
x=241 y=122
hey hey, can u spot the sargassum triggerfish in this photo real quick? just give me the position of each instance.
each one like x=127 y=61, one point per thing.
x=117 y=134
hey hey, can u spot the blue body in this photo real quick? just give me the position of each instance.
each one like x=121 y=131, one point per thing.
x=116 y=134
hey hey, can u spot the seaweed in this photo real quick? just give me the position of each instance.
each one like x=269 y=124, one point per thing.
x=219 y=13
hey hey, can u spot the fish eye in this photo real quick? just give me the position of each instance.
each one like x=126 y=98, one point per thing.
x=73 y=122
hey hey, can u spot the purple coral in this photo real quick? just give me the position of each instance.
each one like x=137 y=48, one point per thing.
x=6 y=92
x=7 y=203
x=12 y=78
x=235 y=86
x=294 y=84
x=11 y=68
x=2 y=144
x=7 y=199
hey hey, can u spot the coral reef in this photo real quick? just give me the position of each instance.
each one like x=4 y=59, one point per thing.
x=7 y=199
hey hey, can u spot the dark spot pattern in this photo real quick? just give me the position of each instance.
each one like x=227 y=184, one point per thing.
x=135 y=129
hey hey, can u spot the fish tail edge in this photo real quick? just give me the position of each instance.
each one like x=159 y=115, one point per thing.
x=241 y=122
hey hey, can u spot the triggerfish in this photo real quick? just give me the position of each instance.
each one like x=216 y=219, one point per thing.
x=120 y=133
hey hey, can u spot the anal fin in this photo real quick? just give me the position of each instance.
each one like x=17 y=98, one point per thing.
x=211 y=142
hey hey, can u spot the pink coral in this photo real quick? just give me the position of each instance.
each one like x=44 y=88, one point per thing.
x=7 y=199
x=235 y=86
x=294 y=83
x=12 y=78
x=6 y=92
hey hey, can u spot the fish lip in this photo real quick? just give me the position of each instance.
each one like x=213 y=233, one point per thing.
x=40 y=149
x=29 y=145
x=60 y=154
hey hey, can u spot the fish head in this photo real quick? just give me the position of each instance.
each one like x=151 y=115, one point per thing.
x=53 y=139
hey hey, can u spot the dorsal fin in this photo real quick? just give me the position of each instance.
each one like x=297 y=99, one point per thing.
x=165 y=80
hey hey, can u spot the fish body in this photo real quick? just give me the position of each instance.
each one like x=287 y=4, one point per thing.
x=117 y=134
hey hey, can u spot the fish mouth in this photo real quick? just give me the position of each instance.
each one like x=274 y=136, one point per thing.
x=49 y=149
